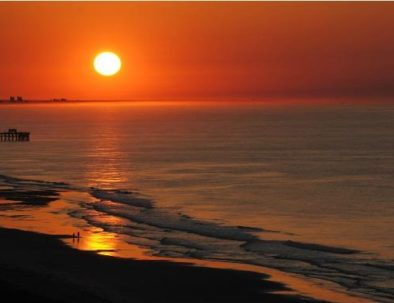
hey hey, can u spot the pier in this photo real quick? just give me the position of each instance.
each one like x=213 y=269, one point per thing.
x=13 y=136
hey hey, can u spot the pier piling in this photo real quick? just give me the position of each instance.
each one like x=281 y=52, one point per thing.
x=12 y=135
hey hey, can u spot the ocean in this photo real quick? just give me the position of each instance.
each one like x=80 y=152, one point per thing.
x=306 y=189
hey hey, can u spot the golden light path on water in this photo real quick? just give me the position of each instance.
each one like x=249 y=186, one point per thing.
x=103 y=169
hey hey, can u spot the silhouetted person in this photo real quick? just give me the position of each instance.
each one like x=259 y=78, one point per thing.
x=78 y=236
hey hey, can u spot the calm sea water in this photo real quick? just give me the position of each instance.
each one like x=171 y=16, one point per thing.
x=316 y=174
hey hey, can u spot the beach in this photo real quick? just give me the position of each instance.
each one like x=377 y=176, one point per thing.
x=53 y=253
x=40 y=268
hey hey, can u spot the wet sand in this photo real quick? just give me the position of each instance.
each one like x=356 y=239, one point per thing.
x=41 y=268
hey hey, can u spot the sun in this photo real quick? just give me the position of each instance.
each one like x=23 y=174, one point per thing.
x=107 y=63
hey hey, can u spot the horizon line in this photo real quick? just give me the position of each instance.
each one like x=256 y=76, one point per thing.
x=272 y=100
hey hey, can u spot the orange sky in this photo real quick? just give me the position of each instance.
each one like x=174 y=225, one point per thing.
x=198 y=50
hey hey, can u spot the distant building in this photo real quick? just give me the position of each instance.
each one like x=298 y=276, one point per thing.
x=16 y=99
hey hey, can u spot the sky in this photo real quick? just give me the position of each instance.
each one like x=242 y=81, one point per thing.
x=198 y=50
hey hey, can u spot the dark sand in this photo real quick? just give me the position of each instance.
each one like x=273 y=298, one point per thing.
x=40 y=268
x=30 y=197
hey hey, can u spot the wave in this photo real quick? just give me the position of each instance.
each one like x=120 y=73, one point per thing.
x=33 y=183
x=173 y=234
x=173 y=221
x=121 y=196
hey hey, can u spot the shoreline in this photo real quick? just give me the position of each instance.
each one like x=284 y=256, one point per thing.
x=43 y=267
x=45 y=221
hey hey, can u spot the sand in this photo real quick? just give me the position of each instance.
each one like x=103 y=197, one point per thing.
x=41 y=268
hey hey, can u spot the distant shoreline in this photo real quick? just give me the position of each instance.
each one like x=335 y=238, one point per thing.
x=271 y=102
x=363 y=100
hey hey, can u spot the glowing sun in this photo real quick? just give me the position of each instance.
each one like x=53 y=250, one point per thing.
x=107 y=63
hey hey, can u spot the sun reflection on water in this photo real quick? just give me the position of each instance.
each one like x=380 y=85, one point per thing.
x=104 y=165
x=99 y=241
